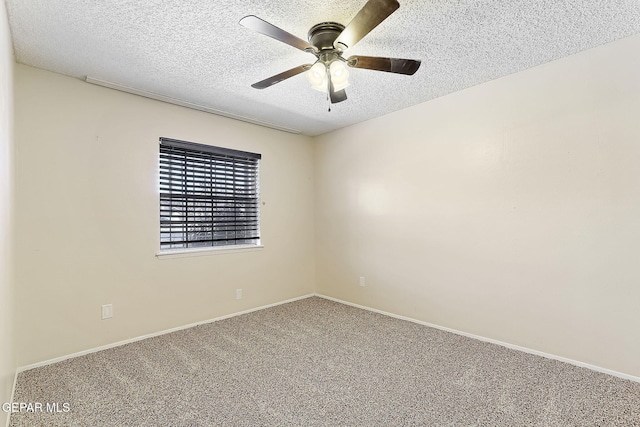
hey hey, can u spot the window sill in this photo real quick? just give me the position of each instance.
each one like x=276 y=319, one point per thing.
x=182 y=253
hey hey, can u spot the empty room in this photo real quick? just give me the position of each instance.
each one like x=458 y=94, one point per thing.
x=319 y=213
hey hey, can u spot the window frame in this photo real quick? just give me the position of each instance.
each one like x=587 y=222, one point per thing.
x=216 y=193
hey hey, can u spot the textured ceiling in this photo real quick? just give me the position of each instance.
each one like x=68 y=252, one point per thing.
x=195 y=50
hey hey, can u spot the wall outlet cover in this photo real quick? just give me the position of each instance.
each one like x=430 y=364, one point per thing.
x=107 y=311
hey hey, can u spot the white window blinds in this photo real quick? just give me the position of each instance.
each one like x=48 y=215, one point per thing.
x=209 y=196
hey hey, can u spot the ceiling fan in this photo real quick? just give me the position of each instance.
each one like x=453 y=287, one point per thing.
x=327 y=41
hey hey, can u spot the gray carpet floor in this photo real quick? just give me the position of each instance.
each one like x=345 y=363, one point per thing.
x=315 y=362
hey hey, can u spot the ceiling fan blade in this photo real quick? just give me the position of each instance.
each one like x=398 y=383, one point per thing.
x=338 y=96
x=373 y=13
x=280 y=77
x=263 y=27
x=390 y=65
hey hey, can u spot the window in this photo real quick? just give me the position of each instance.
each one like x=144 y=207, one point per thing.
x=209 y=196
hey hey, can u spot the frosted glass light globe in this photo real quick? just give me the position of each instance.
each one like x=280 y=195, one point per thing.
x=317 y=76
x=339 y=75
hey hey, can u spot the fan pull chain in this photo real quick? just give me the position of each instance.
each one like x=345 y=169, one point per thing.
x=329 y=89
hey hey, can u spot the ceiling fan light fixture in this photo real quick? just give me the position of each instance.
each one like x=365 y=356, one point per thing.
x=317 y=76
x=339 y=75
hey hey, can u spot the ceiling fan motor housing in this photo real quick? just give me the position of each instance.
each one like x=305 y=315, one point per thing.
x=324 y=34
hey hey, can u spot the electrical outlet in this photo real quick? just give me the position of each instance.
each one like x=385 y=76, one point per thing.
x=238 y=293
x=362 y=281
x=107 y=311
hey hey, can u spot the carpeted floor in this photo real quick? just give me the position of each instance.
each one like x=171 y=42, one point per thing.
x=315 y=362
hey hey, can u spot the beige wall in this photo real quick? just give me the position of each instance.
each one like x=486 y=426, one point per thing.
x=510 y=210
x=7 y=362
x=87 y=218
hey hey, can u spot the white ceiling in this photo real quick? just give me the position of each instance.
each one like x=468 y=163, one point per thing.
x=195 y=50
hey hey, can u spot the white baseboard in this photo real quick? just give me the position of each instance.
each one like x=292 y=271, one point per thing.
x=155 y=334
x=490 y=340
